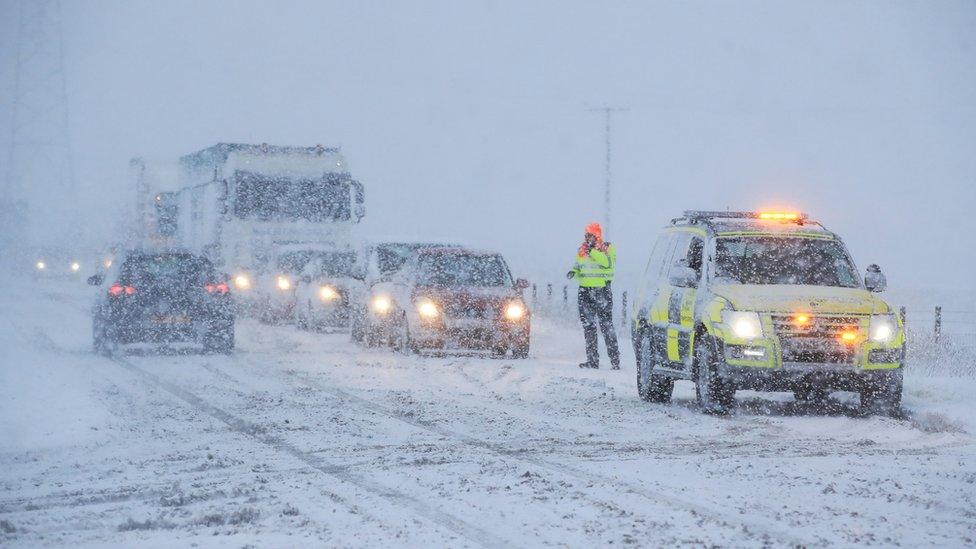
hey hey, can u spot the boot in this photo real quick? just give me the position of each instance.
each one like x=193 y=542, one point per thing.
x=588 y=365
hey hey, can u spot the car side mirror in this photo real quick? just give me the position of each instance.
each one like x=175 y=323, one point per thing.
x=95 y=280
x=874 y=279
x=521 y=284
x=306 y=279
x=683 y=276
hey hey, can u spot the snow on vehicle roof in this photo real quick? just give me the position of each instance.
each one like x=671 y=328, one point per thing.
x=768 y=226
x=456 y=251
x=284 y=161
x=310 y=246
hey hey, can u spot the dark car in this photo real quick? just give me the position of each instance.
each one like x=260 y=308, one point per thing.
x=451 y=298
x=162 y=298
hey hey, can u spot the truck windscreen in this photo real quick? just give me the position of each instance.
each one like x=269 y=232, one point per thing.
x=783 y=260
x=282 y=199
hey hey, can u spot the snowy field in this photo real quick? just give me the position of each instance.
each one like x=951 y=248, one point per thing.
x=304 y=439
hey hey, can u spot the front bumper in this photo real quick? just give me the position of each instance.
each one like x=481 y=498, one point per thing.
x=793 y=375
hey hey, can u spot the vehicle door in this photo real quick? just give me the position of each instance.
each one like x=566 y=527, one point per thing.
x=684 y=277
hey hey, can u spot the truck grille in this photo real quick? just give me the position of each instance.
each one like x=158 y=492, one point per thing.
x=817 y=340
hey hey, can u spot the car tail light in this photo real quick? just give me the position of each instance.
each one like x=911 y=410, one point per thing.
x=117 y=289
x=219 y=288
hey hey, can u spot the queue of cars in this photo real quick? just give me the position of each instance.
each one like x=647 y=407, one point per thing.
x=410 y=296
x=728 y=301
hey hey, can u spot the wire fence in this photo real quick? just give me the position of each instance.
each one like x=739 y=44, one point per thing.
x=940 y=340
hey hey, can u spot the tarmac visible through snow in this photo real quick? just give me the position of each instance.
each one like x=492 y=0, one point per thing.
x=305 y=439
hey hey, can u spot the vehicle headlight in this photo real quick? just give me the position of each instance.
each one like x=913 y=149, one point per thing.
x=743 y=324
x=328 y=293
x=40 y=265
x=514 y=311
x=427 y=309
x=75 y=266
x=242 y=282
x=381 y=304
x=883 y=328
x=284 y=284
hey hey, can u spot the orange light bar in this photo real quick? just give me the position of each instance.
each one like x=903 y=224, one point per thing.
x=801 y=319
x=848 y=337
x=779 y=216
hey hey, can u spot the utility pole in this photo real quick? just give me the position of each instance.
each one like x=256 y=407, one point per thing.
x=39 y=184
x=607 y=111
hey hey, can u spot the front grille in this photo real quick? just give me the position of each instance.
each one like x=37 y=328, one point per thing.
x=816 y=327
x=467 y=311
x=817 y=340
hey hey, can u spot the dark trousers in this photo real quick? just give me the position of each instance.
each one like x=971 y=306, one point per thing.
x=596 y=307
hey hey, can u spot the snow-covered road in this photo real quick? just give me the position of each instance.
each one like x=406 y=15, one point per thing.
x=304 y=439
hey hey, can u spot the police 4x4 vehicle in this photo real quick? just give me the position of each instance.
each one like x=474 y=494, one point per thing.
x=764 y=301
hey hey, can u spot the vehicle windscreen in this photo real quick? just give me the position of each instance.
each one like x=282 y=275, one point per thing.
x=783 y=260
x=166 y=270
x=294 y=262
x=283 y=199
x=391 y=257
x=336 y=264
x=463 y=270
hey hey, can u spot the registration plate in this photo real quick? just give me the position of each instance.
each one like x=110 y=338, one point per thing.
x=171 y=319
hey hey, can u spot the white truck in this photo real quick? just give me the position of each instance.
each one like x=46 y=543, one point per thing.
x=236 y=203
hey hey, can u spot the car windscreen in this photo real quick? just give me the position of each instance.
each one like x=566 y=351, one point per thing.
x=783 y=260
x=267 y=198
x=391 y=257
x=337 y=264
x=166 y=270
x=463 y=270
x=294 y=262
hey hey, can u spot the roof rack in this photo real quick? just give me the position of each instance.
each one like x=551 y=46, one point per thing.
x=699 y=216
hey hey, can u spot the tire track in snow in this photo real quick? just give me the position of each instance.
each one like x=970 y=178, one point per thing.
x=445 y=520
x=719 y=518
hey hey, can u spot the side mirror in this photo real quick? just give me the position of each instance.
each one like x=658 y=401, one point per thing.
x=521 y=284
x=874 y=279
x=683 y=276
x=95 y=280
x=306 y=279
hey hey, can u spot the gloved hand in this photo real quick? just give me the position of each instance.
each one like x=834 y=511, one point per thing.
x=571 y=274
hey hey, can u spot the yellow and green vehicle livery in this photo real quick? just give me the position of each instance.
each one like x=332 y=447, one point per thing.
x=763 y=301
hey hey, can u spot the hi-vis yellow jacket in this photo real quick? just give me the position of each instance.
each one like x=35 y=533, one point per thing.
x=596 y=269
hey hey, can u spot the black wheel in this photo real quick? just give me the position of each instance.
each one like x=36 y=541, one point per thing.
x=651 y=387
x=882 y=394
x=220 y=340
x=521 y=350
x=715 y=395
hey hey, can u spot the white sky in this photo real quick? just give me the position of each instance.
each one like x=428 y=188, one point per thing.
x=467 y=120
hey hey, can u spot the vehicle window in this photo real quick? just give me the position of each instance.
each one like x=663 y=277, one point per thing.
x=278 y=198
x=166 y=269
x=336 y=264
x=694 y=255
x=391 y=257
x=679 y=249
x=784 y=260
x=655 y=265
x=294 y=262
x=463 y=270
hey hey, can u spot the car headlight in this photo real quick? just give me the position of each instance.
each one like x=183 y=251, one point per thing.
x=427 y=309
x=75 y=266
x=328 y=293
x=883 y=328
x=40 y=265
x=514 y=311
x=743 y=324
x=381 y=304
x=284 y=284
x=242 y=282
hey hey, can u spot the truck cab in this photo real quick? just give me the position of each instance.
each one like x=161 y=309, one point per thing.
x=763 y=301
